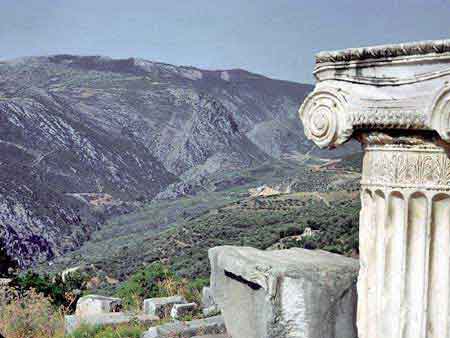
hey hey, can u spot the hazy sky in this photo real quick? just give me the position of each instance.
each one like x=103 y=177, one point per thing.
x=277 y=38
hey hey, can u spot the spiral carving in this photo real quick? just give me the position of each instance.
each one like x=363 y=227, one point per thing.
x=440 y=113
x=322 y=114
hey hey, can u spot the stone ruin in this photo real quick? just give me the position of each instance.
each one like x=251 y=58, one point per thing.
x=394 y=100
x=99 y=310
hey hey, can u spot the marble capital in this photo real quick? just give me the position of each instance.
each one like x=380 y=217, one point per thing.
x=393 y=87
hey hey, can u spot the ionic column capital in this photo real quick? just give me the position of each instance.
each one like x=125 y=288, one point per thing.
x=397 y=87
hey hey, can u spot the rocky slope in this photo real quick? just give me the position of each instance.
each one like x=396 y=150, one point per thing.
x=129 y=129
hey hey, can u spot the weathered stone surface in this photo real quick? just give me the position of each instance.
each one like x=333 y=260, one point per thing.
x=162 y=307
x=213 y=336
x=395 y=100
x=285 y=293
x=95 y=304
x=106 y=319
x=208 y=326
x=181 y=310
x=208 y=303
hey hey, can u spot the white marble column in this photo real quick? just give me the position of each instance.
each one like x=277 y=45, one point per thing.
x=404 y=241
x=395 y=100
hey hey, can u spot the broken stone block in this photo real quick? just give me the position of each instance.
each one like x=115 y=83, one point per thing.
x=161 y=307
x=95 y=304
x=208 y=303
x=182 y=310
x=208 y=326
x=107 y=319
x=285 y=293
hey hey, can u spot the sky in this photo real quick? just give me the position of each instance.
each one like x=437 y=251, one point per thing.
x=276 y=38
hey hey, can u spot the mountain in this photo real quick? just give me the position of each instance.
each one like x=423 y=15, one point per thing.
x=81 y=135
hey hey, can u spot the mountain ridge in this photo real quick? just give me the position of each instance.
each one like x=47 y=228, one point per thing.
x=130 y=129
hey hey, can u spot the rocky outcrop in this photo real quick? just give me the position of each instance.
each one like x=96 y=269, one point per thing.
x=284 y=293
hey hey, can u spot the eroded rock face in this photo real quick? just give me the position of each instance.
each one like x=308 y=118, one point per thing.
x=128 y=128
x=285 y=293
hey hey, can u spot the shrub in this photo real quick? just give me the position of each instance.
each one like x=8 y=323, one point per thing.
x=194 y=289
x=61 y=293
x=155 y=280
x=120 y=331
x=30 y=314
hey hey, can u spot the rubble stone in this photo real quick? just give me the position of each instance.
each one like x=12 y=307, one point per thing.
x=181 y=310
x=107 y=319
x=208 y=326
x=95 y=304
x=162 y=307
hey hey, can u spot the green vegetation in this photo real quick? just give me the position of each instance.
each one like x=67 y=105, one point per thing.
x=147 y=283
x=179 y=232
x=153 y=262
x=61 y=293
x=35 y=305
x=158 y=280
x=120 y=331
x=261 y=222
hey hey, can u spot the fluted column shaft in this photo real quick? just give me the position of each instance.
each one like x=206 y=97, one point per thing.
x=404 y=282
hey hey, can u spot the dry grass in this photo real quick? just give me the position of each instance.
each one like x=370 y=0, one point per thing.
x=29 y=316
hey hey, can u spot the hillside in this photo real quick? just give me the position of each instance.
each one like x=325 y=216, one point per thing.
x=179 y=232
x=84 y=138
x=74 y=127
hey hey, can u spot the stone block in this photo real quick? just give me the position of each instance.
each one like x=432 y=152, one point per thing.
x=208 y=303
x=95 y=304
x=107 y=319
x=162 y=307
x=181 y=310
x=208 y=326
x=291 y=293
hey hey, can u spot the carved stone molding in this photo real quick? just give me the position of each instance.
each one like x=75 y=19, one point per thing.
x=385 y=51
x=406 y=166
x=393 y=119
